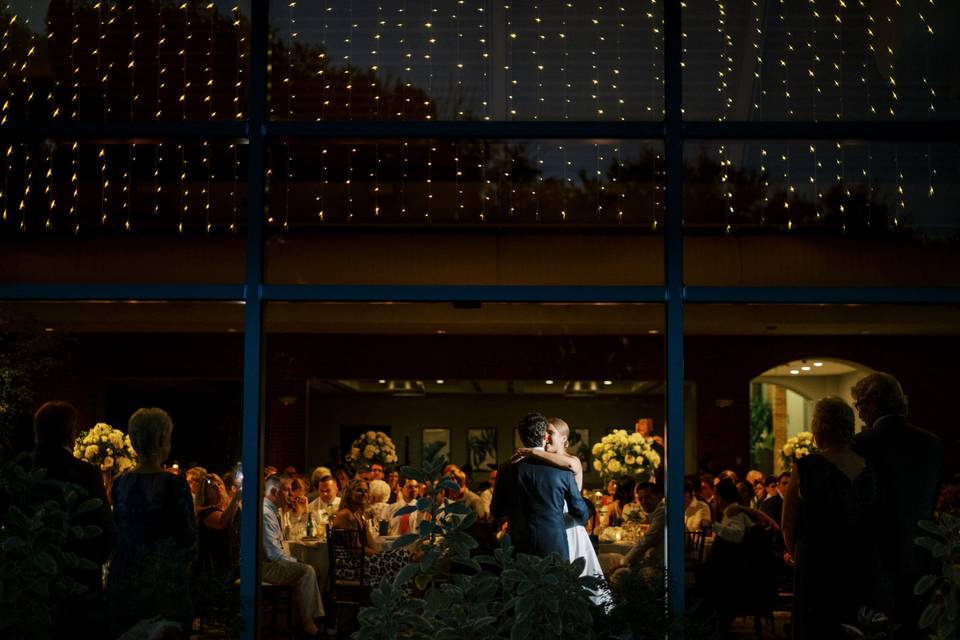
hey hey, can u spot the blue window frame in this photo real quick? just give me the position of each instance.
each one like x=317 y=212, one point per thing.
x=257 y=131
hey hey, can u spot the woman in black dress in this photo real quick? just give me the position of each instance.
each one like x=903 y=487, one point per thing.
x=829 y=524
x=156 y=531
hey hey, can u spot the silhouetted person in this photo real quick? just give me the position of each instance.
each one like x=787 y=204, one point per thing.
x=55 y=429
x=909 y=465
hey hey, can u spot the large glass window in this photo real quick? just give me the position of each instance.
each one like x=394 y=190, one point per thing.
x=476 y=60
x=820 y=213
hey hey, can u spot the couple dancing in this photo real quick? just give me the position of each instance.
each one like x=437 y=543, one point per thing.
x=539 y=494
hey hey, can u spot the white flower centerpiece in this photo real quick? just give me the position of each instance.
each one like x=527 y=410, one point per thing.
x=371 y=447
x=620 y=454
x=797 y=447
x=107 y=448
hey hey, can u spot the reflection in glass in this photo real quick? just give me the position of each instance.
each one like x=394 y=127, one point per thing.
x=108 y=61
x=420 y=181
x=819 y=61
x=70 y=187
x=451 y=60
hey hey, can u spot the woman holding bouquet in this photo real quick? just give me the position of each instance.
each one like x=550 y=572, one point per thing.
x=829 y=525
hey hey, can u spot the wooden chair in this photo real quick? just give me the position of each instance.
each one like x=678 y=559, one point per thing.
x=277 y=600
x=346 y=588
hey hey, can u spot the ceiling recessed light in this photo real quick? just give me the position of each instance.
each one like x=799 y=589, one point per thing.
x=794 y=371
x=439 y=381
x=818 y=364
x=441 y=331
x=381 y=382
x=805 y=368
x=608 y=382
x=48 y=329
x=653 y=332
x=548 y=381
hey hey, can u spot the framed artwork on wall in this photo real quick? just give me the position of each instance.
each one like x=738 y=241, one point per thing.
x=482 y=448
x=436 y=442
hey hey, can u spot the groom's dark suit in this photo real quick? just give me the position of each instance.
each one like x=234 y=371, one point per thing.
x=531 y=494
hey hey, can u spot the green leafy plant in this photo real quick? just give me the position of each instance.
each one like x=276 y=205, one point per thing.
x=761 y=429
x=35 y=524
x=504 y=595
x=942 y=615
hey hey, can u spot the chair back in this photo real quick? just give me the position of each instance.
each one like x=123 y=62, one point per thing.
x=345 y=547
x=693 y=547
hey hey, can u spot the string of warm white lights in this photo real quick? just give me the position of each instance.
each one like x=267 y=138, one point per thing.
x=618 y=94
x=484 y=65
x=161 y=85
x=325 y=81
x=184 y=185
x=289 y=87
x=134 y=99
x=458 y=188
x=838 y=17
x=723 y=73
x=48 y=188
x=103 y=77
x=508 y=67
x=814 y=57
x=238 y=114
x=27 y=68
x=211 y=114
x=595 y=58
x=350 y=151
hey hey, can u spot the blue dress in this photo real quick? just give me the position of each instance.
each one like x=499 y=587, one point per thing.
x=156 y=545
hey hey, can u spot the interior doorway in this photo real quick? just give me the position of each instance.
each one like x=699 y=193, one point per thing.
x=782 y=399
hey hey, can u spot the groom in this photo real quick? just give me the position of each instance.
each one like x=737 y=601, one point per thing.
x=531 y=494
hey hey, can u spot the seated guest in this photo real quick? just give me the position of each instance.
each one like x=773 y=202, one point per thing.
x=375 y=472
x=463 y=493
x=216 y=513
x=408 y=522
x=342 y=474
x=632 y=505
x=754 y=480
x=377 y=506
x=327 y=500
x=55 y=430
x=624 y=496
x=696 y=513
x=377 y=564
x=487 y=494
x=393 y=480
x=747 y=494
x=194 y=476
x=772 y=505
x=707 y=494
x=734 y=518
x=279 y=567
x=316 y=476
x=294 y=516
x=648 y=551
x=156 y=531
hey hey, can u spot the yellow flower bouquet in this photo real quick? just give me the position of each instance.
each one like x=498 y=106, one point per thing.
x=107 y=448
x=619 y=454
x=797 y=447
x=371 y=447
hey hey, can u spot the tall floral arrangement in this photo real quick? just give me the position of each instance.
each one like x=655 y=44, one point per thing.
x=371 y=447
x=620 y=454
x=797 y=447
x=107 y=448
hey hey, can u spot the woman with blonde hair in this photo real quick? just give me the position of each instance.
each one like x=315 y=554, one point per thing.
x=216 y=514
x=578 y=540
x=156 y=530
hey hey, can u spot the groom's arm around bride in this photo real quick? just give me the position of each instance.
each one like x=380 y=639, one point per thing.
x=532 y=495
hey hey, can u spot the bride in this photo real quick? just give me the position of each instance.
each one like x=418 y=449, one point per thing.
x=578 y=541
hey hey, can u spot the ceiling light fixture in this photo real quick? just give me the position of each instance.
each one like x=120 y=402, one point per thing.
x=548 y=382
x=805 y=368
x=607 y=382
x=794 y=372
x=439 y=381
x=818 y=364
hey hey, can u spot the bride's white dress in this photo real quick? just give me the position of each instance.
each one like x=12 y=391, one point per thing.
x=579 y=546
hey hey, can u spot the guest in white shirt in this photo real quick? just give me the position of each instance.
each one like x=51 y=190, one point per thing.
x=735 y=518
x=279 y=567
x=696 y=513
x=327 y=501
x=408 y=522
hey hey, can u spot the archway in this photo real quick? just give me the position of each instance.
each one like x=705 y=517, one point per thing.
x=782 y=400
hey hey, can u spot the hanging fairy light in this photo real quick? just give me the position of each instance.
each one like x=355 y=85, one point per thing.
x=538 y=64
x=508 y=67
x=931 y=94
x=211 y=114
x=484 y=67
x=161 y=85
x=815 y=90
x=901 y=198
x=620 y=191
x=238 y=115
x=48 y=188
x=458 y=57
x=841 y=181
x=375 y=86
x=598 y=172
x=757 y=94
x=320 y=198
x=350 y=151
x=288 y=85
x=27 y=68
x=184 y=185
x=723 y=73
x=134 y=99
x=457 y=185
x=428 y=56
x=7 y=72
x=75 y=117
x=348 y=61
x=27 y=186
x=655 y=83
x=103 y=76
x=619 y=64
x=838 y=64
x=595 y=59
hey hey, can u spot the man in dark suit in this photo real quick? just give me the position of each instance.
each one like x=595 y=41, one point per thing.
x=772 y=505
x=55 y=429
x=909 y=466
x=531 y=494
